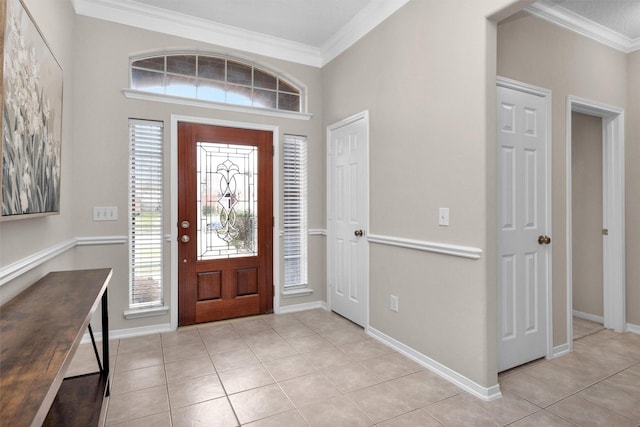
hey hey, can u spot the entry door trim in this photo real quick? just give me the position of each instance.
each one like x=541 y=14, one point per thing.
x=173 y=236
x=546 y=94
x=364 y=115
x=613 y=217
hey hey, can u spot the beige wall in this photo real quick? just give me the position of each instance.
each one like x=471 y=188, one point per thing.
x=22 y=238
x=536 y=52
x=586 y=195
x=632 y=153
x=424 y=77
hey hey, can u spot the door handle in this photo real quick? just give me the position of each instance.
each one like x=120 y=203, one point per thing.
x=185 y=238
x=358 y=233
x=544 y=240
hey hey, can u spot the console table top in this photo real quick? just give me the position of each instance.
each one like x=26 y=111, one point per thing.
x=40 y=330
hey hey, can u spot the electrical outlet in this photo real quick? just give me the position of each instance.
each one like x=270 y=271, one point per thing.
x=105 y=213
x=393 y=304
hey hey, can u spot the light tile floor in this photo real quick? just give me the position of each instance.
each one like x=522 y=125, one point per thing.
x=315 y=368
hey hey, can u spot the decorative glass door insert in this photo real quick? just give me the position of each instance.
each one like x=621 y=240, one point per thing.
x=227 y=202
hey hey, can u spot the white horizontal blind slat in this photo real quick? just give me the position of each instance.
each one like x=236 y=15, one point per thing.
x=145 y=213
x=295 y=210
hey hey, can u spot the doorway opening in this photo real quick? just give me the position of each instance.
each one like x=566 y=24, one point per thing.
x=612 y=216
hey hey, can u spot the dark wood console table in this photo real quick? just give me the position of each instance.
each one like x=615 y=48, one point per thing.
x=40 y=330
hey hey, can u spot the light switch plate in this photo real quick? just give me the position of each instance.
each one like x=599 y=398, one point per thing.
x=105 y=213
x=443 y=216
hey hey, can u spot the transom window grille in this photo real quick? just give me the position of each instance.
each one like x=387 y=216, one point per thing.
x=216 y=79
x=295 y=210
x=227 y=189
x=145 y=213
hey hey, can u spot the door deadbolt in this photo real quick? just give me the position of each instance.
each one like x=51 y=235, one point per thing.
x=358 y=233
x=544 y=240
x=185 y=238
x=185 y=224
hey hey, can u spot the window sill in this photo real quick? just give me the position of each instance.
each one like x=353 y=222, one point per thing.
x=146 y=312
x=146 y=96
x=299 y=292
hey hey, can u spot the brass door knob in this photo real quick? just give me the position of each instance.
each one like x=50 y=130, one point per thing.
x=544 y=240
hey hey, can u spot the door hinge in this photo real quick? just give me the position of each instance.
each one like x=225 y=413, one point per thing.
x=273 y=150
x=605 y=231
x=273 y=221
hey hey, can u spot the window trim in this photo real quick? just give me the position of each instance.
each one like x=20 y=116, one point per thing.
x=152 y=308
x=295 y=193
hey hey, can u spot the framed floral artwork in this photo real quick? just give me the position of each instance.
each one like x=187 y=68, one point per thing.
x=31 y=117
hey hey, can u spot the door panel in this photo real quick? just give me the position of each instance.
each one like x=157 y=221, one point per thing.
x=522 y=209
x=225 y=208
x=348 y=215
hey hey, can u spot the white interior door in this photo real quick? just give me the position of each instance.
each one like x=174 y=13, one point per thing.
x=523 y=227
x=348 y=215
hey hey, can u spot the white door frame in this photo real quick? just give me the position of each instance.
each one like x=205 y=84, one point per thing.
x=364 y=115
x=613 y=217
x=173 y=235
x=546 y=94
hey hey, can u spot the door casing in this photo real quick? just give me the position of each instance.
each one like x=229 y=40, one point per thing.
x=613 y=216
x=546 y=94
x=364 y=115
x=173 y=236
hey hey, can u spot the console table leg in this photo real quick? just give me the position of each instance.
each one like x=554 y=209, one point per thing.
x=105 y=338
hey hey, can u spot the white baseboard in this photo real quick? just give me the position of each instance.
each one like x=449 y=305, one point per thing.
x=561 y=350
x=302 y=307
x=484 y=393
x=587 y=316
x=634 y=329
x=129 y=332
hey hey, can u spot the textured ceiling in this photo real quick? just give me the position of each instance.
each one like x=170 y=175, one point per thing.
x=621 y=16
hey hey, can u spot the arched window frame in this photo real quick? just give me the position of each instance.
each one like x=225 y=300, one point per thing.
x=284 y=83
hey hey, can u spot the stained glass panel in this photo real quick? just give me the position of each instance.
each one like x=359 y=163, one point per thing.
x=227 y=180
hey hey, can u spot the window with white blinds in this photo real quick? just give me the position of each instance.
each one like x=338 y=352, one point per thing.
x=145 y=213
x=295 y=210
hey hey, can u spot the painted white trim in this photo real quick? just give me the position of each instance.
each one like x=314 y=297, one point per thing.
x=178 y=100
x=366 y=20
x=116 y=334
x=588 y=316
x=613 y=210
x=173 y=171
x=101 y=240
x=634 y=329
x=363 y=115
x=547 y=95
x=294 y=308
x=317 y=232
x=558 y=15
x=146 y=312
x=22 y=266
x=421 y=245
x=470 y=386
x=561 y=350
x=298 y=292
x=152 y=18
x=194 y=28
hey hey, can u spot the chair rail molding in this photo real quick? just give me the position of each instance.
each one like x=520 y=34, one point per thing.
x=24 y=265
x=421 y=245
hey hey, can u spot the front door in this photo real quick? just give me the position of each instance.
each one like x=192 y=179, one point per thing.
x=348 y=215
x=523 y=242
x=225 y=222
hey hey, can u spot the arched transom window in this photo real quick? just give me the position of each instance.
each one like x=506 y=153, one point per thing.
x=216 y=79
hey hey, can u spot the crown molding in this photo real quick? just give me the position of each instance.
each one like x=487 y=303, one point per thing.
x=152 y=18
x=132 y=13
x=366 y=20
x=567 y=19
